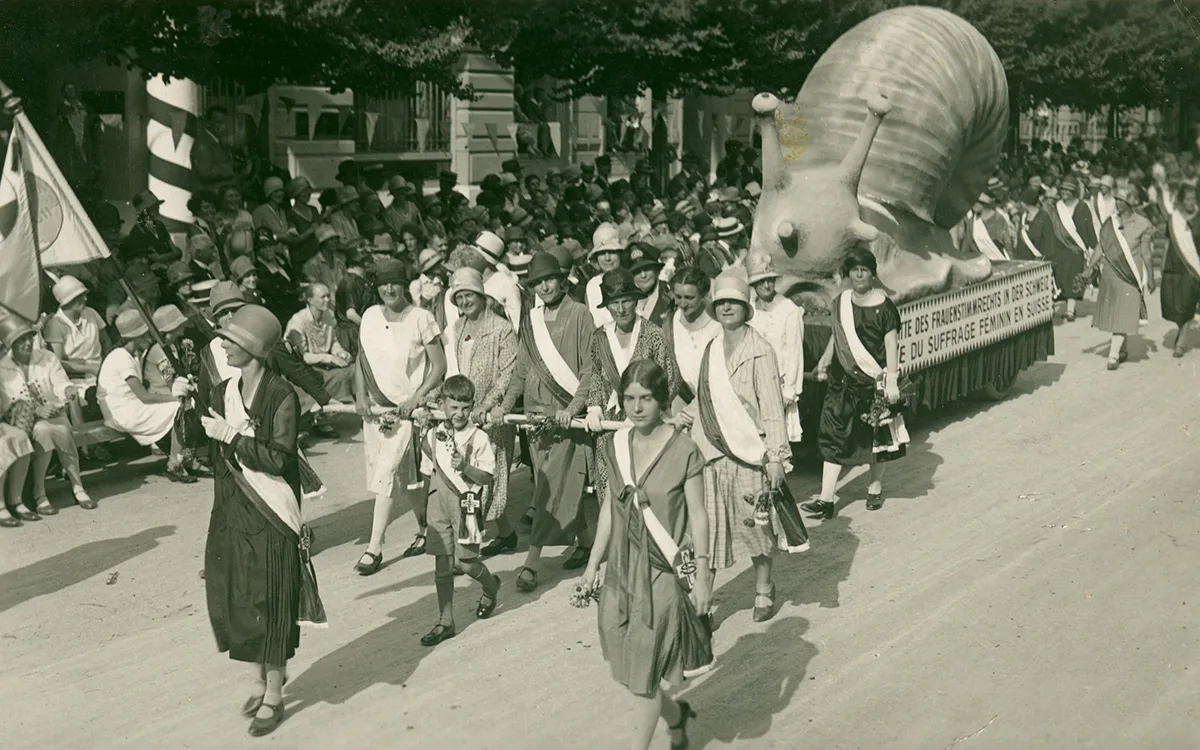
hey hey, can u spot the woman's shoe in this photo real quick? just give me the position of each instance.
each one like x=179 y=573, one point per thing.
x=25 y=514
x=764 y=604
x=578 y=558
x=260 y=727
x=1113 y=364
x=439 y=633
x=417 y=547
x=484 y=611
x=44 y=508
x=685 y=714
x=84 y=500
x=369 y=568
x=874 y=500
x=527 y=583
x=1178 y=352
x=500 y=544
x=819 y=508
x=1123 y=356
x=179 y=474
x=10 y=521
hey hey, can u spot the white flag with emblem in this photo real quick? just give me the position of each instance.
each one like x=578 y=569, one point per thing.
x=19 y=272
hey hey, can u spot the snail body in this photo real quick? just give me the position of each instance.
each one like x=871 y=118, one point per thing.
x=935 y=100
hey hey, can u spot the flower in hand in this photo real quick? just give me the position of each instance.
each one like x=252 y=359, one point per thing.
x=586 y=591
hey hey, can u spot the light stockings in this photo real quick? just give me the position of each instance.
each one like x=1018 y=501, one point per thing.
x=13 y=485
x=1115 y=347
x=649 y=711
x=831 y=472
x=383 y=516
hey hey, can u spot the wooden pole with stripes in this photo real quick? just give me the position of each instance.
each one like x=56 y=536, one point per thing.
x=171 y=128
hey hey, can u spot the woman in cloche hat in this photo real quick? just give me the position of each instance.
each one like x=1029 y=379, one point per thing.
x=15 y=450
x=148 y=418
x=259 y=583
x=34 y=392
x=745 y=449
x=400 y=363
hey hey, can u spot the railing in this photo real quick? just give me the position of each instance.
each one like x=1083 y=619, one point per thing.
x=416 y=122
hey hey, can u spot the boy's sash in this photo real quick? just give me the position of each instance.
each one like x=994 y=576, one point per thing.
x=615 y=358
x=1117 y=252
x=470 y=495
x=275 y=499
x=1181 y=235
x=1066 y=221
x=546 y=359
x=857 y=361
x=723 y=417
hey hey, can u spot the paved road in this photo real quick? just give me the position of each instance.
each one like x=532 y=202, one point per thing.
x=1031 y=583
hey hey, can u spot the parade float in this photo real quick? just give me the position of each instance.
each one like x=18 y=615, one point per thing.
x=889 y=143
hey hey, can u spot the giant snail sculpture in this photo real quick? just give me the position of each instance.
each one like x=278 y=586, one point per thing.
x=936 y=104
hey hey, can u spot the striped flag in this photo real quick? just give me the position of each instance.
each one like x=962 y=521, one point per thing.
x=19 y=270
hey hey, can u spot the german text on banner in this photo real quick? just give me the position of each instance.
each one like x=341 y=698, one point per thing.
x=19 y=272
x=65 y=234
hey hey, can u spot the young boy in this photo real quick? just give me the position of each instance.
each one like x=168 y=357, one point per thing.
x=458 y=463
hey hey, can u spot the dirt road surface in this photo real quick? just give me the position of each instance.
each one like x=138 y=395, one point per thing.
x=1031 y=583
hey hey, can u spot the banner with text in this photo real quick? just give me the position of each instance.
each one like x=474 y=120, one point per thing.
x=1019 y=296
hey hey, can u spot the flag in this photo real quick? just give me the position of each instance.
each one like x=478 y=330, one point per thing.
x=65 y=234
x=19 y=272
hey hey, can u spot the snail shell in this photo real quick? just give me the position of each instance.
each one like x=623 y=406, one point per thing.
x=948 y=118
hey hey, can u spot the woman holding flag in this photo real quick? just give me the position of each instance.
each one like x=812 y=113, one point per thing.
x=259 y=581
x=401 y=361
x=1126 y=261
x=863 y=377
x=738 y=423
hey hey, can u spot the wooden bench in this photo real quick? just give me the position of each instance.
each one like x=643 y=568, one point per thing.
x=95 y=433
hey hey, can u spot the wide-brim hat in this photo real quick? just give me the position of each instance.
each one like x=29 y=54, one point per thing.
x=519 y=263
x=145 y=200
x=520 y=217
x=728 y=226
x=168 y=318
x=754 y=190
x=543 y=266
x=730 y=286
x=390 y=271
x=491 y=246
x=131 y=325
x=466 y=279
x=254 y=328
x=225 y=296
x=606 y=239
x=760 y=267
x=995 y=183
x=13 y=329
x=1108 y=181
x=618 y=284
x=397 y=183
x=562 y=254
x=68 y=289
x=643 y=256
x=428 y=260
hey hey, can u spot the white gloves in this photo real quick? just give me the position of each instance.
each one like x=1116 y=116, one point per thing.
x=218 y=429
x=181 y=388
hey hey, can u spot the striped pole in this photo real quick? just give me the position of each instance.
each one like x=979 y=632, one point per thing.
x=174 y=109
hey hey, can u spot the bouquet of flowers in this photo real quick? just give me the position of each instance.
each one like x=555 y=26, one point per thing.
x=541 y=424
x=583 y=595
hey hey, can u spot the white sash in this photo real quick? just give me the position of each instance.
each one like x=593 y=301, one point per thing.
x=1182 y=235
x=442 y=457
x=388 y=360
x=983 y=240
x=647 y=305
x=1028 y=242
x=623 y=446
x=275 y=492
x=558 y=367
x=1106 y=208
x=224 y=370
x=1124 y=243
x=687 y=356
x=1067 y=218
x=1094 y=212
x=1163 y=194
x=867 y=363
x=737 y=427
x=621 y=356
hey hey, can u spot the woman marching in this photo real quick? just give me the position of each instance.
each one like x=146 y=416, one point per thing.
x=259 y=581
x=401 y=362
x=1125 y=251
x=865 y=328
x=481 y=345
x=654 y=533
x=738 y=421
x=1180 y=298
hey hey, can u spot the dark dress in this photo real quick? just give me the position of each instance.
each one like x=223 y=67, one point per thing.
x=846 y=439
x=1180 y=289
x=252 y=570
x=645 y=617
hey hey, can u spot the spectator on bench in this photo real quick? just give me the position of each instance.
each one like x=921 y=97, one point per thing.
x=312 y=334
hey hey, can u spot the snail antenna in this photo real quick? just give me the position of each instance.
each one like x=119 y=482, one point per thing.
x=856 y=158
x=774 y=172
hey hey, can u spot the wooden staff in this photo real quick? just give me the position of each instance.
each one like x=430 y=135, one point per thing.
x=436 y=415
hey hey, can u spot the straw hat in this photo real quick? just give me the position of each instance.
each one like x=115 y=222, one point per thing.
x=68 y=288
x=985 y=199
x=728 y=226
x=428 y=260
x=606 y=239
x=760 y=267
x=254 y=328
x=754 y=190
x=131 y=325
x=543 y=266
x=617 y=285
x=241 y=267
x=13 y=329
x=491 y=246
x=466 y=279
x=519 y=263
x=731 y=286
x=225 y=296
x=168 y=318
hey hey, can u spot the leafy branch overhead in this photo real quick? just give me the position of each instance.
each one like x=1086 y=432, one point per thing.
x=1080 y=53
